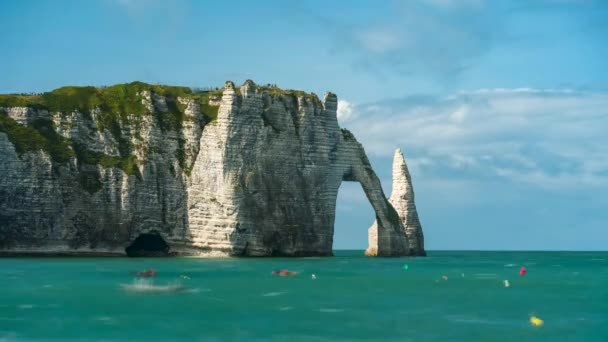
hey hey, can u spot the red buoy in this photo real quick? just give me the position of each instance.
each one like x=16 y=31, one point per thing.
x=522 y=271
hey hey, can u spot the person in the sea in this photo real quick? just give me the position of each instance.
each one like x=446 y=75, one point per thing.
x=284 y=273
x=149 y=273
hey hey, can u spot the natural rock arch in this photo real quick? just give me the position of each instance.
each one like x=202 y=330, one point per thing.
x=267 y=176
x=257 y=175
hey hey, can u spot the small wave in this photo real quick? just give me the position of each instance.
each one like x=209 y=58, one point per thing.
x=598 y=259
x=475 y=320
x=485 y=276
x=285 y=308
x=105 y=319
x=46 y=286
x=146 y=286
x=26 y=306
x=471 y=321
x=510 y=265
x=196 y=290
x=331 y=310
x=273 y=294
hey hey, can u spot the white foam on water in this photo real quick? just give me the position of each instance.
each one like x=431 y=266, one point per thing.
x=477 y=320
x=331 y=310
x=105 y=319
x=510 y=265
x=285 y=308
x=26 y=306
x=47 y=286
x=196 y=290
x=485 y=276
x=146 y=286
x=273 y=294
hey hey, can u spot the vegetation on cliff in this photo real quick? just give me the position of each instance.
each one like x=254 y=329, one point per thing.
x=112 y=108
x=114 y=102
x=40 y=135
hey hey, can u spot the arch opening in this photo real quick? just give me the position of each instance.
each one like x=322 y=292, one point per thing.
x=353 y=216
x=148 y=245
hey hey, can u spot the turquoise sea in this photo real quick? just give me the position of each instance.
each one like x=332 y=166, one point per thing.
x=353 y=298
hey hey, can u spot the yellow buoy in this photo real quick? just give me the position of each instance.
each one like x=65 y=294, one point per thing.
x=535 y=321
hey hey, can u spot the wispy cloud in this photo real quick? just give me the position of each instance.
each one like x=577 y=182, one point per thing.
x=435 y=38
x=551 y=138
x=379 y=40
x=345 y=111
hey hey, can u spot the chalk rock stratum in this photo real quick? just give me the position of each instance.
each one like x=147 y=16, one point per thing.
x=402 y=199
x=143 y=169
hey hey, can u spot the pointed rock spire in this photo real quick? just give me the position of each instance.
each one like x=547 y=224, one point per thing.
x=402 y=199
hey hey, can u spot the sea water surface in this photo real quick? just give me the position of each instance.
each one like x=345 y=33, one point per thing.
x=353 y=298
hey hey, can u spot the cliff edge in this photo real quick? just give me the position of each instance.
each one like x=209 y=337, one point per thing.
x=155 y=170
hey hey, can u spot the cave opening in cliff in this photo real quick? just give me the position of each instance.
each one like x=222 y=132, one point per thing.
x=148 y=244
x=354 y=215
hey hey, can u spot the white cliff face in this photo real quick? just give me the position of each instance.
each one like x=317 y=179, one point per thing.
x=260 y=180
x=402 y=199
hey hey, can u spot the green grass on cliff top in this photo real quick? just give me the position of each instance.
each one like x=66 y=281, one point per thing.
x=114 y=102
x=115 y=105
x=118 y=101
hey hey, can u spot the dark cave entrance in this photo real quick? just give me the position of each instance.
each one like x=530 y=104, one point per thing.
x=148 y=244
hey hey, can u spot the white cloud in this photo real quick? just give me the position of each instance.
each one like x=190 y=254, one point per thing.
x=345 y=111
x=459 y=114
x=429 y=38
x=379 y=40
x=551 y=138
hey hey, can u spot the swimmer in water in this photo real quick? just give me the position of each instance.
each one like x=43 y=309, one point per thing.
x=149 y=273
x=284 y=273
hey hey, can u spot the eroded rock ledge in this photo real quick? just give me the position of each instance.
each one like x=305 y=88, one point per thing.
x=247 y=171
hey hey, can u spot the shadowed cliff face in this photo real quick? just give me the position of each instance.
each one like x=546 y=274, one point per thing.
x=261 y=179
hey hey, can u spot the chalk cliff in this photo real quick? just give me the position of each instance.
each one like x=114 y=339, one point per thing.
x=153 y=170
x=402 y=199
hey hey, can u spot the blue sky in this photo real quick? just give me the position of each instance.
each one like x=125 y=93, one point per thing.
x=501 y=107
